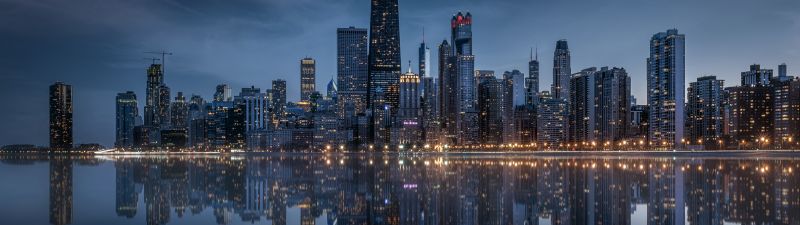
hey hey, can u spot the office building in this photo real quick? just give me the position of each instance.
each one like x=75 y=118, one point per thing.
x=127 y=113
x=466 y=96
x=491 y=115
x=383 y=61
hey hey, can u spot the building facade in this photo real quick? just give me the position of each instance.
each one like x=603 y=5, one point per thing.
x=61 y=117
x=127 y=113
x=561 y=70
x=308 y=78
x=665 y=88
x=705 y=120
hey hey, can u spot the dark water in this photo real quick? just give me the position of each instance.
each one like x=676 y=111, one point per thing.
x=391 y=189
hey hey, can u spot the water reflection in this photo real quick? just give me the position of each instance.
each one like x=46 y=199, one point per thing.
x=380 y=189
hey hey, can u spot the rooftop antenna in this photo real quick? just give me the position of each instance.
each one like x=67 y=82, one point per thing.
x=423 y=34
x=409 y=66
x=163 y=54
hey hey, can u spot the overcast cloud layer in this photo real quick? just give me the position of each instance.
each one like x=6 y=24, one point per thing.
x=97 y=45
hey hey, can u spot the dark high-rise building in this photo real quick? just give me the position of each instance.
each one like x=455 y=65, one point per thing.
x=384 y=55
x=561 y=70
x=756 y=76
x=787 y=111
x=278 y=101
x=752 y=117
x=639 y=123
x=308 y=73
x=532 y=81
x=127 y=113
x=491 y=116
x=179 y=112
x=513 y=103
x=465 y=89
x=581 y=125
x=156 y=108
x=351 y=66
x=612 y=98
x=60 y=117
x=447 y=92
x=665 y=88
x=705 y=111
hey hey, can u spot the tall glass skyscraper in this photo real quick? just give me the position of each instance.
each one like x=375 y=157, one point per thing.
x=60 y=117
x=447 y=94
x=467 y=113
x=384 y=49
x=665 y=88
x=561 y=70
x=384 y=64
x=127 y=112
x=351 y=67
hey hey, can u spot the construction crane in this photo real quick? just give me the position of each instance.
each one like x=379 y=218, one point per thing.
x=154 y=59
x=163 y=54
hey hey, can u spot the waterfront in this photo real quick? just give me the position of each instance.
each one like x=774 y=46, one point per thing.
x=360 y=188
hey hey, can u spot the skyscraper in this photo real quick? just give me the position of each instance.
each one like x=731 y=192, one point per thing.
x=466 y=96
x=60 y=117
x=551 y=119
x=561 y=70
x=581 y=120
x=756 y=76
x=127 y=112
x=278 y=102
x=308 y=81
x=491 y=116
x=179 y=112
x=384 y=50
x=532 y=81
x=613 y=105
x=424 y=59
x=665 y=88
x=409 y=112
x=156 y=108
x=447 y=92
x=513 y=103
x=705 y=111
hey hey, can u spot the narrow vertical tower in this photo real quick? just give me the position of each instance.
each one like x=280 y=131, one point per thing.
x=60 y=117
x=384 y=67
x=665 y=88
x=561 y=70
x=384 y=49
x=308 y=72
x=465 y=91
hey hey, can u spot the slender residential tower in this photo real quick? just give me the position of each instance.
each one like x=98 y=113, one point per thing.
x=665 y=88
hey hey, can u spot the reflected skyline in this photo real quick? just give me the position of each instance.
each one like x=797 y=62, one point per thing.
x=424 y=189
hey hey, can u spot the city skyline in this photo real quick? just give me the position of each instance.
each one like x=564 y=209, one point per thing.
x=94 y=105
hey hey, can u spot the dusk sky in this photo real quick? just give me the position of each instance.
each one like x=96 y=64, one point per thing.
x=97 y=45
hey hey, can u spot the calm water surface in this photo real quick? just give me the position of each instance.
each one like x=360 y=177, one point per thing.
x=392 y=189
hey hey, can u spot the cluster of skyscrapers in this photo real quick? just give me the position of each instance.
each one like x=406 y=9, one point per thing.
x=372 y=105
